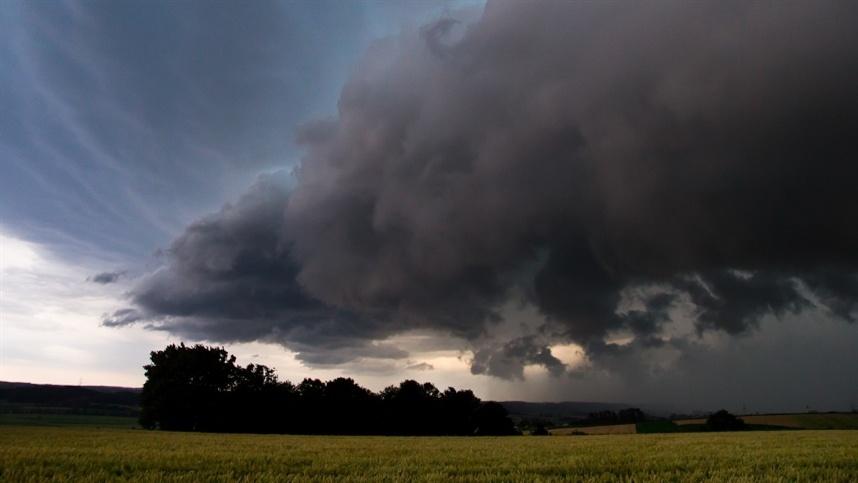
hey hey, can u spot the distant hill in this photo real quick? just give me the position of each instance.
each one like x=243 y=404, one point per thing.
x=557 y=412
x=21 y=397
x=9 y=384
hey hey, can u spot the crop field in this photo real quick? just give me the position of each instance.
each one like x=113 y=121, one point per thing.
x=96 y=454
x=798 y=421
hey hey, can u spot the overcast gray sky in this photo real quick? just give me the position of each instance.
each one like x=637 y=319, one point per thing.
x=539 y=201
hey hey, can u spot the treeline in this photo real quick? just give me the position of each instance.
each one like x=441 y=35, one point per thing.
x=202 y=388
x=46 y=398
x=623 y=416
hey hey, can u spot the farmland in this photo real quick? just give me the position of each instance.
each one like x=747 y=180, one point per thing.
x=755 y=421
x=33 y=453
x=796 y=421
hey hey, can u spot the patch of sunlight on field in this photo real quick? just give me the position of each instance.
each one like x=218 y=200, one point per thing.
x=65 y=454
x=609 y=429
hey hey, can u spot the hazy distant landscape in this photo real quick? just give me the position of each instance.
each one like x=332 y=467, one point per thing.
x=60 y=433
x=52 y=405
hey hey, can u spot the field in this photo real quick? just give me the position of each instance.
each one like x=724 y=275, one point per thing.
x=767 y=422
x=39 y=419
x=798 y=421
x=32 y=453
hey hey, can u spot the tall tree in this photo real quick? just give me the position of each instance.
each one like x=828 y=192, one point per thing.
x=186 y=386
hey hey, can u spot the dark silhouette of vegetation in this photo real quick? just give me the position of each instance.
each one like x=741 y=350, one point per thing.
x=529 y=425
x=623 y=416
x=540 y=431
x=527 y=415
x=490 y=419
x=202 y=388
x=724 y=421
x=45 y=398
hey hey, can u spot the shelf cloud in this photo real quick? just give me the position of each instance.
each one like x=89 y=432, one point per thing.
x=614 y=167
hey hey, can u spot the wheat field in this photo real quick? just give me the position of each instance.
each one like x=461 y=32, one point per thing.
x=99 y=454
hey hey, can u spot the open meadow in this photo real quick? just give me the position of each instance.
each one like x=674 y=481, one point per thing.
x=32 y=453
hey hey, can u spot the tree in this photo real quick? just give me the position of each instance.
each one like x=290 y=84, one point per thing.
x=350 y=408
x=603 y=417
x=185 y=387
x=201 y=388
x=491 y=419
x=457 y=411
x=255 y=401
x=411 y=408
x=724 y=421
x=630 y=415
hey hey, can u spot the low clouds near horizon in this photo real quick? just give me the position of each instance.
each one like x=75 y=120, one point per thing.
x=632 y=178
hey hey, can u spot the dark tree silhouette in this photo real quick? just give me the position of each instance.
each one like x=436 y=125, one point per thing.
x=412 y=408
x=185 y=387
x=349 y=408
x=630 y=415
x=201 y=388
x=724 y=421
x=491 y=419
x=457 y=410
x=624 y=416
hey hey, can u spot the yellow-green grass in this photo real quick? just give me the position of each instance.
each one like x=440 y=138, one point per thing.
x=798 y=421
x=91 y=454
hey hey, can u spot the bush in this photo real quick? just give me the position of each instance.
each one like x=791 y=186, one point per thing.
x=724 y=421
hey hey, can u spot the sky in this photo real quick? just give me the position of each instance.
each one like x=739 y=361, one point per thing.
x=543 y=201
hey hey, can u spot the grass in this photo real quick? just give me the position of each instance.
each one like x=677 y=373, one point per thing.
x=91 y=454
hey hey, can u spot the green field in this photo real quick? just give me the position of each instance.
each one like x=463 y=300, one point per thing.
x=80 y=453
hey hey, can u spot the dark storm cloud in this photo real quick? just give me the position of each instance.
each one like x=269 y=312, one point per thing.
x=230 y=278
x=121 y=317
x=508 y=360
x=105 y=278
x=654 y=314
x=791 y=364
x=837 y=290
x=734 y=301
x=562 y=150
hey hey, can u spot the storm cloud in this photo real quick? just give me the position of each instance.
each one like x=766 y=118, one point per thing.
x=558 y=155
x=105 y=278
